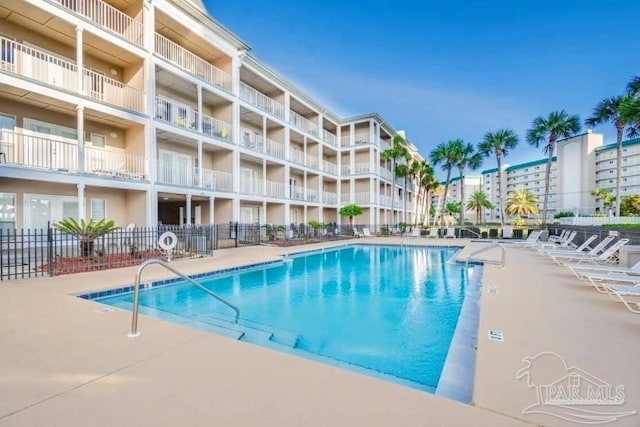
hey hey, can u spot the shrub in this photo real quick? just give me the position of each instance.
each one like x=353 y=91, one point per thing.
x=564 y=214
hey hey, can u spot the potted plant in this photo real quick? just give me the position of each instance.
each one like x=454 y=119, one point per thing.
x=86 y=231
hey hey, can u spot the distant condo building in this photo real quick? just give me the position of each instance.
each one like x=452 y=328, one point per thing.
x=151 y=112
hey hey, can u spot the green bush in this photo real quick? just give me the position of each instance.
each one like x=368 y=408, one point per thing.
x=493 y=233
x=517 y=233
x=622 y=225
x=564 y=214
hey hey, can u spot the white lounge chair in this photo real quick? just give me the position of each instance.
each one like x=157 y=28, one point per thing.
x=451 y=233
x=530 y=240
x=584 y=246
x=567 y=243
x=579 y=269
x=366 y=232
x=559 y=238
x=624 y=293
x=609 y=255
x=433 y=233
x=415 y=232
x=596 y=250
x=599 y=279
x=357 y=233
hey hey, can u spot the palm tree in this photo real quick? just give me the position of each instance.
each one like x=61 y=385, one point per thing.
x=438 y=190
x=605 y=195
x=522 y=202
x=559 y=124
x=397 y=151
x=478 y=201
x=447 y=155
x=403 y=170
x=611 y=110
x=499 y=143
x=467 y=157
x=633 y=87
x=423 y=173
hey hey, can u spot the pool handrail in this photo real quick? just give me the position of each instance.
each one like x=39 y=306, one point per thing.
x=485 y=249
x=136 y=293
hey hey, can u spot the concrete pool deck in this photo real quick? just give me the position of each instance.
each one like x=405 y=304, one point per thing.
x=63 y=361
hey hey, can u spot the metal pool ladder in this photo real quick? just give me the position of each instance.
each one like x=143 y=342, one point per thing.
x=136 y=293
x=503 y=257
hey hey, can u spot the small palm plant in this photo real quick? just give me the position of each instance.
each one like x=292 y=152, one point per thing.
x=86 y=231
x=350 y=211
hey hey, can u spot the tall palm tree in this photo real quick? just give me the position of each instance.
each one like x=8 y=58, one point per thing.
x=478 y=201
x=522 y=202
x=611 y=110
x=446 y=154
x=633 y=87
x=559 y=124
x=403 y=170
x=397 y=151
x=438 y=190
x=605 y=195
x=499 y=143
x=467 y=157
x=422 y=172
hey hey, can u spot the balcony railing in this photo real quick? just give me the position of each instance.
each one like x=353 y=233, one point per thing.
x=118 y=164
x=385 y=173
x=357 y=169
x=176 y=113
x=303 y=123
x=345 y=198
x=260 y=100
x=51 y=70
x=252 y=186
x=329 y=167
x=329 y=197
x=312 y=162
x=105 y=89
x=217 y=129
x=250 y=140
x=186 y=60
x=329 y=138
x=186 y=176
x=313 y=195
x=296 y=156
x=361 y=138
x=385 y=200
x=362 y=197
x=275 y=189
x=275 y=149
x=296 y=192
x=384 y=145
x=38 y=152
x=107 y=17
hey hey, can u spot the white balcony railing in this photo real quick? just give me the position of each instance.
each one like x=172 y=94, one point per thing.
x=38 y=152
x=329 y=197
x=107 y=17
x=186 y=176
x=296 y=156
x=385 y=200
x=312 y=162
x=186 y=60
x=329 y=138
x=275 y=149
x=313 y=195
x=221 y=181
x=385 y=173
x=106 y=162
x=345 y=198
x=303 y=123
x=345 y=141
x=384 y=145
x=362 y=197
x=251 y=140
x=296 y=192
x=176 y=113
x=253 y=186
x=105 y=89
x=275 y=189
x=260 y=100
x=361 y=138
x=329 y=167
x=217 y=129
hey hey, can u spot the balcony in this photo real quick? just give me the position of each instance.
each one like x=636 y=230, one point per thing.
x=328 y=167
x=313 y=195
x=329 y=138
x=386 y=174
x=35 y=64
x=357 y=169
x=275 y=149
x=296 y=156
x=361 y=138
x=117 y=164
x=216 y=129
x=195 y=65
x=345 y=198
x=312 y=162
x=303 y=123
x=38 y=152
x=385 y=200
x=296 y=193
x=251 y=140
x=186 y=117
x=329 y=198
x=253 y=187
x=186 y=176
x=106 y=17
x=362 y=198
x=275 y=189
x=260 y=100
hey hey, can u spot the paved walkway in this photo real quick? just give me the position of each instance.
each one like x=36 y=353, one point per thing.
x=65 y=363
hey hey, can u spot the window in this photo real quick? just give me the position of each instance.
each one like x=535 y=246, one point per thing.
x=98 y=209
x=98 y=140
x=7 y=51
x=7 y=211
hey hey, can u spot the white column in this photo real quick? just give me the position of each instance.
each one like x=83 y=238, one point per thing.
x=188 y=209
x=236 y=63
x=287 y=106
x=212 y=201
x=148 y=19
x=79 y=59
x=200 y=161
x=81 y=203
x=199 y=108
x=372 y=132
x=152 y=208
x=264 y=133
x=81 y=138
x=264 y=177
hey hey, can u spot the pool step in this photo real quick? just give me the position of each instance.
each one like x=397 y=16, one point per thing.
x=256 y=332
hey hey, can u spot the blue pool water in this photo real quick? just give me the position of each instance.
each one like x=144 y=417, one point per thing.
x=388 y=309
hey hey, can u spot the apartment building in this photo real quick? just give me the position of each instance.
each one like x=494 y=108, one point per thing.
x=151 y=112
x=606 y=169
x=472 y=183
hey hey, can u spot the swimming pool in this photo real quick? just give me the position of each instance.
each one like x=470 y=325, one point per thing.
x=388 y=311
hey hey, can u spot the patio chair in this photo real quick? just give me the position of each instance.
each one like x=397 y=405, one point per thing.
x=357 y=234
x=566 y=242
x=451 y=233
x=415 y=232
x=596 y=250
x=366 y=232
x=598 y=279
x=578 y=269
x=531 y=238
x=433 y=233
x=558 y=238
x=609 y=255
x=584 y=246
x=624 y=293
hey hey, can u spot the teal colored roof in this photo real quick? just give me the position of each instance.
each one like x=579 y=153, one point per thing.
x=614 y=145
x=534 y=163
x=485 y=172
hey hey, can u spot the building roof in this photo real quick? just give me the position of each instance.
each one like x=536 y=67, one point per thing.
x=614 y=145
x=488 y=171
x=533 y=163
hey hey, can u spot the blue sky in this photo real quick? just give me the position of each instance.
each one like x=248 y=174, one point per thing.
x=446 y=69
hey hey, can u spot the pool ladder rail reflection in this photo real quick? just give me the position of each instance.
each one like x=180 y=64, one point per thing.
x=136 y=293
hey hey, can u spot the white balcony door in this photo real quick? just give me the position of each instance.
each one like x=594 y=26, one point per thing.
x=175 y=168
x=43 y=65
x=247 y=180
x=40 y=209
x=250 y=214
x=48 y=146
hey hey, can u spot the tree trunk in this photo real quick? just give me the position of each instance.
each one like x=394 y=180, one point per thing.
x=500 y=195
x=461 y=196
x=417 y=204
x=393 y=189
x=620 y=130
x=444 y=196
x=547 y=177
x=404 y=191
x=427 y=206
